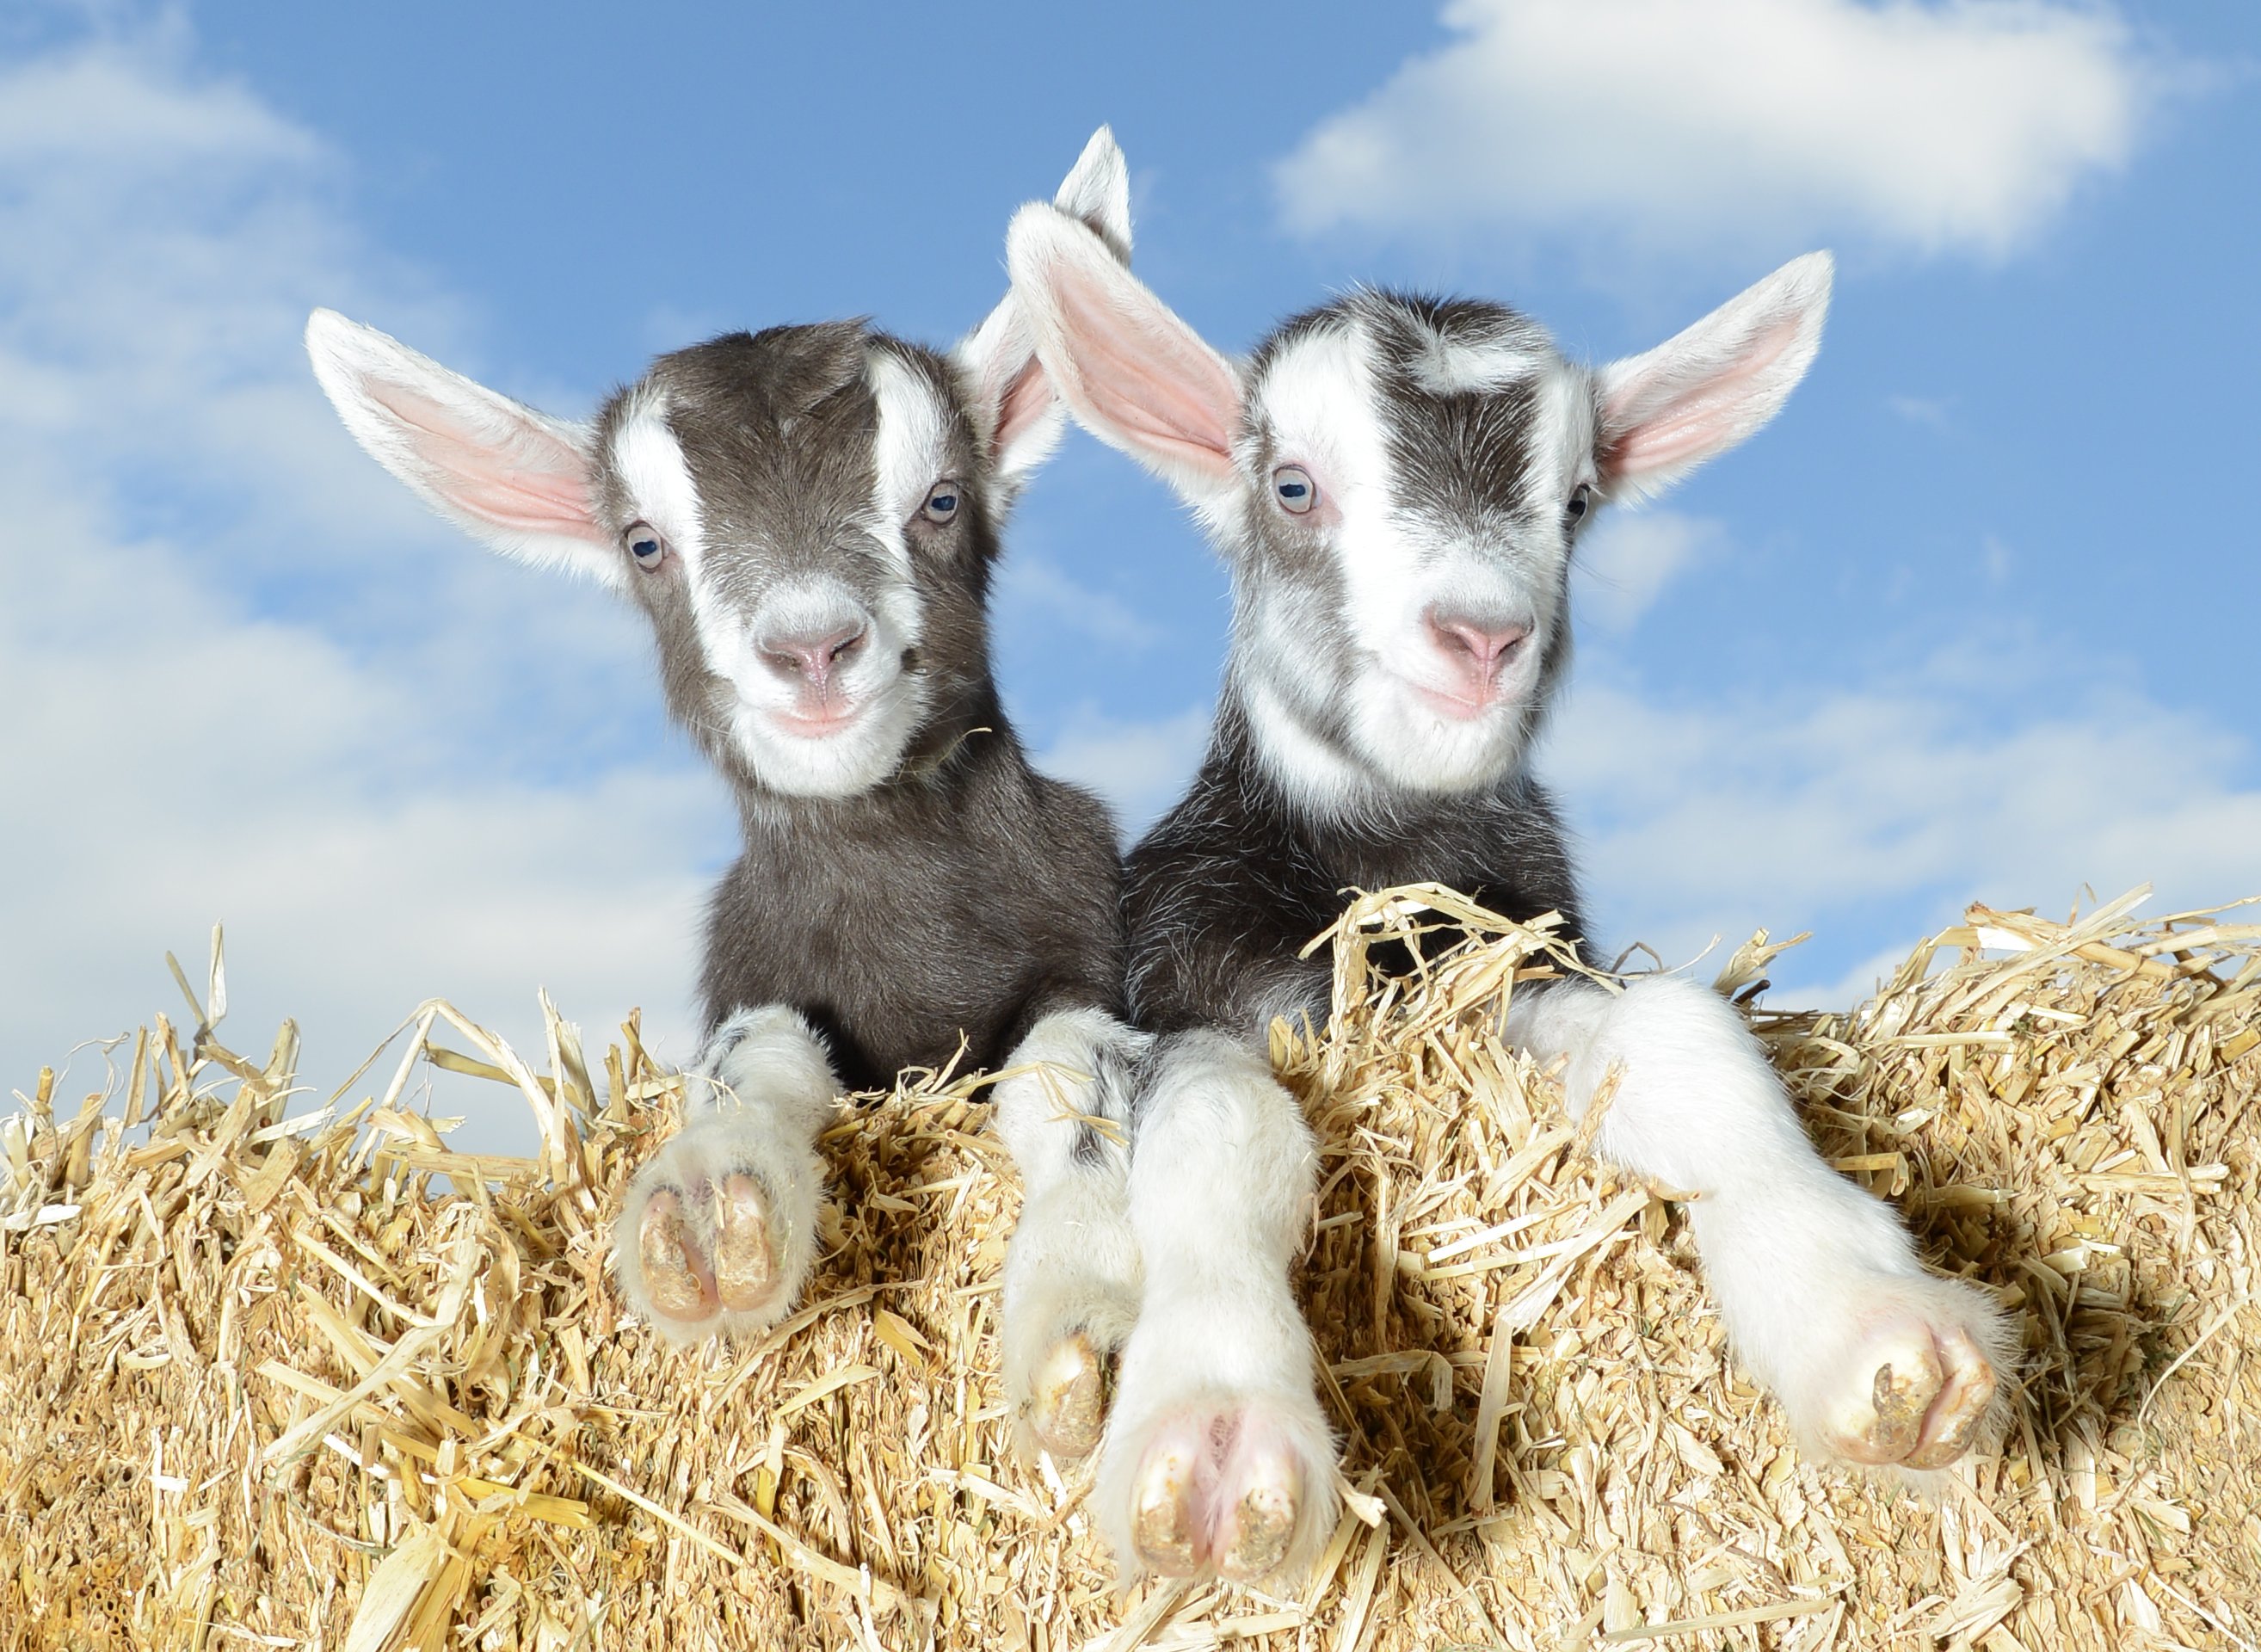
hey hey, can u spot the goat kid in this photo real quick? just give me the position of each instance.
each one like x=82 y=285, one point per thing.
x=809 y=517
x=1397 y=484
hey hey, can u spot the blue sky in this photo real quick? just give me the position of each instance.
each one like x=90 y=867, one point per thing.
x=1970 y=621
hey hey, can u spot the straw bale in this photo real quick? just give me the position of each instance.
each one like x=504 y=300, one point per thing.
x=275 y=1373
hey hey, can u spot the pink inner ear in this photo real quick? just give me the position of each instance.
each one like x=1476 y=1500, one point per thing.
x=1676 y=424
x=1160 y=389
x=513 y=473
x=1025 y=402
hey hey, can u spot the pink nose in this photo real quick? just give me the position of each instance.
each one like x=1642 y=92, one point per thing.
x=1480 y=649
x=811 y=656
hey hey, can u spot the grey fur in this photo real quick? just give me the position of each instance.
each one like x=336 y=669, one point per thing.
x=1224 y=890
x=965 y=894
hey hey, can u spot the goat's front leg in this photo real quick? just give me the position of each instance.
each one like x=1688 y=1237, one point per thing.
x=1217 y=1458
x=718 y=1231
x=1072 y=1276
x=1819 y=1284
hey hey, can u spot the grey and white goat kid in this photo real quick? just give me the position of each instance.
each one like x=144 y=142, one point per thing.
x=808 y=518
x=1397 y=484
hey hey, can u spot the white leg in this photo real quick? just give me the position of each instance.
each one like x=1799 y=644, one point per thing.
x=1072 y=1280
x=719 y=1228
x=1217 y=1458
x=1820 y=1287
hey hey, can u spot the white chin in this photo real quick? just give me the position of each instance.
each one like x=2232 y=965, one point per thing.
x=860 y=754
x=1410 y=743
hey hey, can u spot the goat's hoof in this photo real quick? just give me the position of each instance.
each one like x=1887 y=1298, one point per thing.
x=1254 y=1533
x=675 y=1275
x=745 y=1260
x=1217 y=1493
x=1168 y=1515
x=1928 y=1391
x=1068 y=1413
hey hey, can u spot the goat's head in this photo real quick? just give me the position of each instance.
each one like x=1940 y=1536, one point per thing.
x=808 y=515
x=1398 y=484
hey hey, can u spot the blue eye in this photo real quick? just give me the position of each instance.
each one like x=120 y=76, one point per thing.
x=645 y=545
x=941 y=502
x=1292 y=487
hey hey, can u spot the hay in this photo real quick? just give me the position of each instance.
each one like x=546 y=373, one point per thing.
x=313 y=1378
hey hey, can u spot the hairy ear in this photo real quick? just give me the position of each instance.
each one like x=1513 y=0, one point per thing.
x=1666 y=412
x=1012 y=397
x=1135 y=374
x=517 y=479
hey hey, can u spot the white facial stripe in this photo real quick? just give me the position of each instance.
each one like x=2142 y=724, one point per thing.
x=1446 y=366
x=1322 y=403
x=1402 y=562
x=1562 y=442
x=650 y=463
x=649 y=460
x=909 y=450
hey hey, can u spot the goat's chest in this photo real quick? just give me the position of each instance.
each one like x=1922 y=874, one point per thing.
x=896 y=948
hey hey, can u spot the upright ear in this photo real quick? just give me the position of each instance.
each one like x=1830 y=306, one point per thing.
x=1012 y=398
x=517 y=479
x=1135 y=374
x=1666 y=412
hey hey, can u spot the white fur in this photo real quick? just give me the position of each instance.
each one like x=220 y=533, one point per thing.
x=1074 y=1263
x=1318 y=402
x=997 y=359
x=1222 y=1198
x=886 y=704
x=1452 y=365
x=1811 y=1274
x=759 y=1094
x=650 y=462
x=909 y=450
x=1076 y=293
x=1708 y=387
x=466 y=468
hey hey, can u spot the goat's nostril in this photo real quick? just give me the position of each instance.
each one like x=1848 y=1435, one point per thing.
x=811 y=655
x=1488 y=645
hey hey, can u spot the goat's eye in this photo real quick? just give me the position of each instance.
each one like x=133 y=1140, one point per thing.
x=645 y=544
x=942 y=501
x=1293 y=487
x=1582 y=500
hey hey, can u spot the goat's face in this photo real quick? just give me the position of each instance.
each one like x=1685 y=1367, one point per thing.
x=1398 y=483
x=806 y=515
x=1410 y=476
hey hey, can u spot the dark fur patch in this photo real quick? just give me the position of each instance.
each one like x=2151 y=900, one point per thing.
x=1226 y=890
x=967 y=896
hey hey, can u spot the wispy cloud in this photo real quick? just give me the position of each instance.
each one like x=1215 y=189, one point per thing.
x=1931 y=128
x=1987 y=771
x=1932 y=412
x=1625 y=562
x=423 y=786
x=1140 y=768
x=1034 y=592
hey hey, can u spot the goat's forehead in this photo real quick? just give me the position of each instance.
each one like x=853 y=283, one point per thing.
x=741 y=425
x=1423 y=398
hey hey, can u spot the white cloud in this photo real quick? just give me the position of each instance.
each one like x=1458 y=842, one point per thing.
x=1934 y=412
x=1624 y=564
x=1987 y=772
x=1656 y=124
x=1140 y=768
x=244 y=678
x=1032 y=592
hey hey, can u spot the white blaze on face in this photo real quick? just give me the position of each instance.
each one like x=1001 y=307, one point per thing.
x=766 y=711
x=1399 y=560
x=1448 y=366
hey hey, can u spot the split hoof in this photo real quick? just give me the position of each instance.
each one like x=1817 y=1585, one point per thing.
x=1068 y=1412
